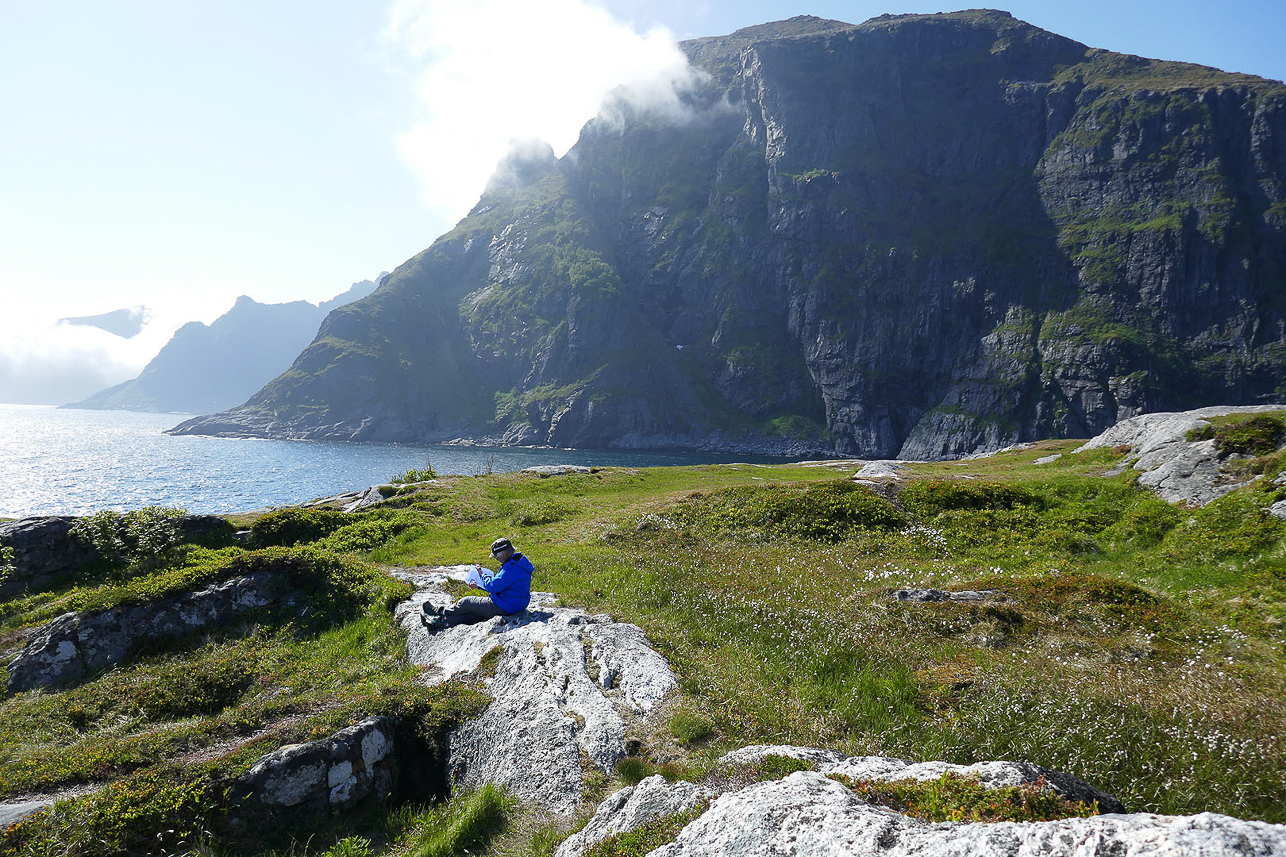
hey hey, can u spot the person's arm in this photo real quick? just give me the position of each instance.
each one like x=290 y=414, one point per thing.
x=500 y=580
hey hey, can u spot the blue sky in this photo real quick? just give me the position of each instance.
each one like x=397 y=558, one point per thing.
x=178 y=154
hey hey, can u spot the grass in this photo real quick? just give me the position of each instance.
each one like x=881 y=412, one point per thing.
x=1135 y=644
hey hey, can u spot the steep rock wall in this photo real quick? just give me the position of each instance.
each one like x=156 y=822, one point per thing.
x=921 y=236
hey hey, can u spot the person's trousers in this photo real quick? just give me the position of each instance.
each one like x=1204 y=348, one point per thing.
x=470 y=610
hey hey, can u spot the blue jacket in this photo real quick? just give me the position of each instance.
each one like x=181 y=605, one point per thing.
x=510 y=589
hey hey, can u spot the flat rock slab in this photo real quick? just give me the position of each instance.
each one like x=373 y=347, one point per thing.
x=931 y=596
x=808 y=813
x=12 y=812
x=875 y=471
x=1177 y=469
x=567 y=688
x=546 y=470
x=885 y=769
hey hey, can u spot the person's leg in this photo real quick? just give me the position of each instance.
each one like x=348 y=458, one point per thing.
x=470 y=610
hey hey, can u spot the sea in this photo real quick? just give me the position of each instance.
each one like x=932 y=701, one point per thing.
x=74 y=462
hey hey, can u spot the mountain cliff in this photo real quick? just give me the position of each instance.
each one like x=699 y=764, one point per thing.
x=919 y=236
x=205 y=368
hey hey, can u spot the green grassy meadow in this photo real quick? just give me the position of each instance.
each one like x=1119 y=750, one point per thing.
x=1138 y=645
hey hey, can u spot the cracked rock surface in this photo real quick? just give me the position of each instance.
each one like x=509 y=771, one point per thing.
x=809 y=813
x=1176 y=468
x=567 y=688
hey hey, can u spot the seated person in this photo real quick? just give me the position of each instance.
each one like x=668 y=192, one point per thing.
x=508 y=592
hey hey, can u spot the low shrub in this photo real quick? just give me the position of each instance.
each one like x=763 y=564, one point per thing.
x=1235 y=525
x=633 y=770
x=776 y=767
x=335 y=586
x=956 y=798
x=151 y=812
x=689 y=727
x=423 y=474
x=135 y=541
x=827 y=511
x=369 y=532
x=930 y=497
x=1258 y=435
x=289 y=527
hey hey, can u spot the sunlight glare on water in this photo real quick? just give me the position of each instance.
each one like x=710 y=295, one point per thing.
x=74 y=462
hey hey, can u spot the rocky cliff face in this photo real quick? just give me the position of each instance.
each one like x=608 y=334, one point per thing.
x=919 y=237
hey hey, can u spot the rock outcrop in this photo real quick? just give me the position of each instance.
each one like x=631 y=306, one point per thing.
x=319 y=777
x=916 y=237
x=808 y=812
x=76 y=646
x=1177 y=469
x=567 y=689
x=45 y=552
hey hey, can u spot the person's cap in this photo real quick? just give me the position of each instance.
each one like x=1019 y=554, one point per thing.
x=501 y=545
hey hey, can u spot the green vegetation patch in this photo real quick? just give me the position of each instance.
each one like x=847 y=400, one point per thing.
x=1243 y=434
x=293 y=526
x=953 y=797
x=931 y=497
x=645 y=839
x=827 y=512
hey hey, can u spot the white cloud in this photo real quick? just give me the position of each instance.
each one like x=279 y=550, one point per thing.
x=45 y=362
x=491 y=71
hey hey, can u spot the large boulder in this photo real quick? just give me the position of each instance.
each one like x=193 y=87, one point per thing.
x=43 y=552
x=567 y=688
x=332 y=774
x=76 y=646
x=1177 y=469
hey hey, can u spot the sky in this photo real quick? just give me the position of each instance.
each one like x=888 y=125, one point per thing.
x=174 y=155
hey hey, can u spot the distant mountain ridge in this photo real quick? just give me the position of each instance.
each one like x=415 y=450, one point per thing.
x=209 y=368
x=921 y=236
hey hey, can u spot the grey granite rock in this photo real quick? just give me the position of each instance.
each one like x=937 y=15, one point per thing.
x=567 y=689
x=990 y=774
x=332 y=774
x=927 y=596
x=631 y=808
x=1177 y=469
x=42 y=552
x=547 y=470
x=77 y=646
x=756 y=753
x=885 y=769
x=881 y=470
x=809 y=814
x=45 y=552
x=14 y=811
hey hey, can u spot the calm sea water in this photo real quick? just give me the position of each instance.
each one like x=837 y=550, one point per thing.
x=69 y=462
